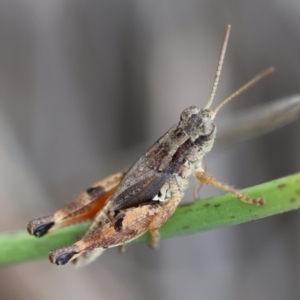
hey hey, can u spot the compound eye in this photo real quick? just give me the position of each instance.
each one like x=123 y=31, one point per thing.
x=192 y=110
x=207 y=128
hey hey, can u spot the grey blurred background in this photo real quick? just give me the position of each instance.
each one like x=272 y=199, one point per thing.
x=87 y=86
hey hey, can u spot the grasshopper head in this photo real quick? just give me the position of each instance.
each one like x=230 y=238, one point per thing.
x=198 y=124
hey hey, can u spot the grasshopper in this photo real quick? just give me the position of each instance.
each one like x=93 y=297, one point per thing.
x=125 y=205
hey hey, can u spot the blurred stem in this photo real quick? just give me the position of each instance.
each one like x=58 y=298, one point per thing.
x=281 y=195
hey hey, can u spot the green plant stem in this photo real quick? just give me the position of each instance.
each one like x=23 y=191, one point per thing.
x=281 y=195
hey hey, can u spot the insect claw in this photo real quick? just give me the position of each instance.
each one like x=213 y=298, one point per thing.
x=122 y=249
x=61 y=256
x=40 y=227
x=260 y=201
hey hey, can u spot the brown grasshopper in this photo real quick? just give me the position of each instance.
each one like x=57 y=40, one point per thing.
x=124 y=206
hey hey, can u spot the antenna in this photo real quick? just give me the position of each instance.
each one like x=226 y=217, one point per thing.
x=243 y=88
x=219 y=68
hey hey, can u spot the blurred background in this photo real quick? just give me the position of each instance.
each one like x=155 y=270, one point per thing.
x=87 y=86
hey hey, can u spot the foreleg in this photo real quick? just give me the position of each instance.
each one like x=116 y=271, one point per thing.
x=208 y=179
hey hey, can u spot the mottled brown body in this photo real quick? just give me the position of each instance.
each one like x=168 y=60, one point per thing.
x=146 y=197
